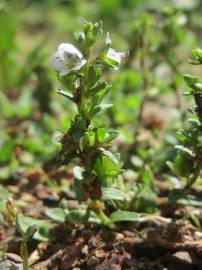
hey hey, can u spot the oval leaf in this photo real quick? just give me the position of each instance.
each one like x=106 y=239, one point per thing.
x=119 y=216
x=56 y=214
x=113 y=194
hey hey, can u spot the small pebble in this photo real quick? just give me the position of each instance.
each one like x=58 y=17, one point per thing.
x=85 y=250
x=119 y=236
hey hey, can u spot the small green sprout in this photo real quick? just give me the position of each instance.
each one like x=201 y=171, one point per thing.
x=13 y=219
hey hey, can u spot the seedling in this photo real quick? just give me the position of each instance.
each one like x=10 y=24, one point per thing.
x=13 y=219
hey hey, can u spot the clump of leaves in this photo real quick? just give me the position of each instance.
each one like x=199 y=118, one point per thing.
x=188 y=161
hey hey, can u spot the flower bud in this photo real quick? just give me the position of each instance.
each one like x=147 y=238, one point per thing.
x=11 y=211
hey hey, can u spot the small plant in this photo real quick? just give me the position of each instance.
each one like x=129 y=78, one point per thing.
x=13 y=219
x=188 y=161
x=97 y=168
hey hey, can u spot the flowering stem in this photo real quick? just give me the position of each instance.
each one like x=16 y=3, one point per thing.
x=83 y=104
x=87 y=144
x=83 y=112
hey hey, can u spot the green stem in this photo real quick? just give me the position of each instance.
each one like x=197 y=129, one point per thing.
x=97 y=207
x=83 y=110
x=104 y=218
x=24 y=255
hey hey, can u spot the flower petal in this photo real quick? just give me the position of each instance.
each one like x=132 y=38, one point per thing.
x=116 y=56
x=57 y=62
x=67 y=58
x=70 y=49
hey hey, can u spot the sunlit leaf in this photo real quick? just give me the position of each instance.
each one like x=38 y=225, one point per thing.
x=113 y=194
x=121 y=216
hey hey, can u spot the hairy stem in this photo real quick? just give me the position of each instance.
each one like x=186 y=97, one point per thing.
x=87 y=161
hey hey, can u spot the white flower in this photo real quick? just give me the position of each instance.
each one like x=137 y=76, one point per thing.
x=116 y=56
x=112 y=54
x=66 y=59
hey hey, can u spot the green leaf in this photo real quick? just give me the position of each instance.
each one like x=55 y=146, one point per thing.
x=43 y=232
x=198 y=86
x=79 y=215
x=196 y=220
x=183 y=164
x=31 y=230
x=95 y=74
x=113 y=194
x=111 y=135
x=105 y=167
x=100 y=107
x=110 y=155
x=185 y=150
x=197 y=53
x=56 y=214
x=146 y=200
x=180 y=135
x=146 y=176
x=91 y=137
x=101 y=134
x=110 y=62
x=6 y=150
x=120 y=216
x=99 y=87
x=170 y=165
x=191 y=80
x=65 y=94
